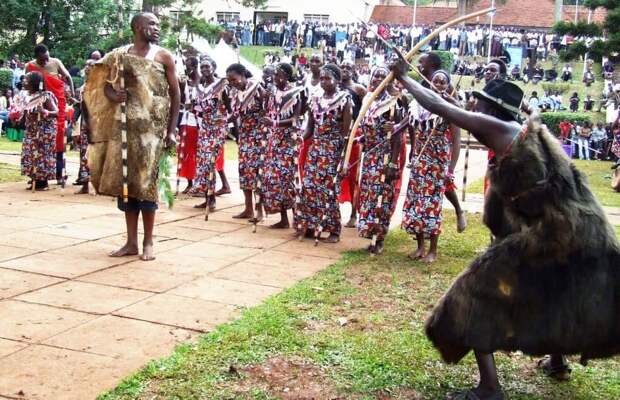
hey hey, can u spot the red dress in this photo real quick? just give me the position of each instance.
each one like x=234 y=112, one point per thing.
x=189 y=137
x=57 y=87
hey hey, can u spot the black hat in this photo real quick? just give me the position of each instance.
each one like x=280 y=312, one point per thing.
x=503 y=94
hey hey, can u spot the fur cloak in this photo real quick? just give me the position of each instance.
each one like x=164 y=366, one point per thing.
x=550 y=283
x=148 y=105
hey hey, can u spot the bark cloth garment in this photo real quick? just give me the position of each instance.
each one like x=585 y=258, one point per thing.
x=148 y=105
x=550 y=283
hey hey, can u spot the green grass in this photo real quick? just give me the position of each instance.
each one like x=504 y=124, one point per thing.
x=7 y=145
x=256 y=54
x=381 y=352
x=10 y=173
x=599 y=180
x=231 y=150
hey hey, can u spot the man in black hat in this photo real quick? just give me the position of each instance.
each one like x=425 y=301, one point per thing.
x=531 y=290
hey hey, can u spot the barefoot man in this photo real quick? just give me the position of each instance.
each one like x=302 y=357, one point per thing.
x=151 y=94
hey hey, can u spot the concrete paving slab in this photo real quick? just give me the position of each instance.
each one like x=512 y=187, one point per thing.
x=35 y=322
x=226 y=291
x=134 y=277
x=13 y=283
x=278 y=276
x=164 y=309
x=10 y=346
x=61 y=263
x=87 y=297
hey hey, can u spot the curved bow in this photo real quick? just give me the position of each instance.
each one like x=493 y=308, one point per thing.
x=390 y=78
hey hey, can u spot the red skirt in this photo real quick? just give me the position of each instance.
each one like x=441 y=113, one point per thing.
x=187 y=152
x=349 y=184
x=219 y=162
x=303 y=153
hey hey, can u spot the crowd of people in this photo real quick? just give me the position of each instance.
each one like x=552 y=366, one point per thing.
x=298 y=156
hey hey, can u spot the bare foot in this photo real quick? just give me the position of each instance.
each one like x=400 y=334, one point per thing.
x=332 y=238
x=224 y=190
x=126 y=250
x=461 y=222
x=246 y=214
x=280 y=225
x=352 y=223
x=147 y=253
x=430 y=258
x=416 y=255
x=378 y=247
x=187 y=189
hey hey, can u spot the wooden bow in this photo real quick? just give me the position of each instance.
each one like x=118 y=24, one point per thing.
x=390 y=77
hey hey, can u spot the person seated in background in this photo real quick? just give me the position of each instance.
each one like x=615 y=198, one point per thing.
x=527 y=73
x=551 y=75
x=608 y=69
x=515 y=73
x=567 y=73
x=588 y=103
x=546 y=103
x=538 y=74
x=534 y=102
x=574 y=102
x=588 y=77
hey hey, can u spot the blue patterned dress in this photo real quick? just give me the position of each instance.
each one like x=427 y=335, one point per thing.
x=38 y=157
x=319 y=195
x=375 y=126
x=283 y=149
x=422 y=212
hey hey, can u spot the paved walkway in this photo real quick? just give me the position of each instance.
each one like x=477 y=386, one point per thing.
x=75 y=321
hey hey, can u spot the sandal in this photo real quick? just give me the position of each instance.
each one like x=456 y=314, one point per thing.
x=557 y=372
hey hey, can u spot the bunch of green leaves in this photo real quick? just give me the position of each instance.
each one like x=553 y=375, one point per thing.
x=164 y=188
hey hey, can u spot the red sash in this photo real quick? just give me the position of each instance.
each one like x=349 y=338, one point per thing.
x=57 y=87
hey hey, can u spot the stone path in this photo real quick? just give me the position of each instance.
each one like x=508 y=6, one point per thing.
x=75 y=321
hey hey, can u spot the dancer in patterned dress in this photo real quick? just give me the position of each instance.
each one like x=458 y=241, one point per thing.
x=39 y=147
x=348 y=187
x=382 y=118
x=422 y=212
x=284 y=108
x=213 y=106
x=329 y=121
x=247 y=105
x=312 y=87
x=189 y=124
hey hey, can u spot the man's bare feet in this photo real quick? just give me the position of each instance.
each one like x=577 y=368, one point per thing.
x=430 y=258
x=147 y=253
x=352 y=223
x=127 y=250
x=280 y=225
x=461 y=222
x=246 y=214
x=416 y=255
x=223 y=190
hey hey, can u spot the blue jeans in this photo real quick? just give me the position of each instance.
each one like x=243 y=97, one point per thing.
x=4 y=116
x=260 y=37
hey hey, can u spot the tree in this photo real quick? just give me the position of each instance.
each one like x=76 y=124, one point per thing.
x=253 y=3
x=69 y=27
x=598 y=48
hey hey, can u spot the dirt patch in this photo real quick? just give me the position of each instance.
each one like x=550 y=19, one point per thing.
x=287 y=379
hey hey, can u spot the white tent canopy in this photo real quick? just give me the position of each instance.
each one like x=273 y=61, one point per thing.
x=224 y=55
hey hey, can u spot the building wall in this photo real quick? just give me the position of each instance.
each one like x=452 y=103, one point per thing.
x=341 y=11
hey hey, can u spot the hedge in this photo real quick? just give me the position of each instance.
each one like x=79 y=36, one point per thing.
x=77 y=81
x=553 y=119
x=6 y=79
x=447 y=59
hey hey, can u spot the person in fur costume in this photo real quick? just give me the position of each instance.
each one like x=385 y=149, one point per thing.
x=549 y=283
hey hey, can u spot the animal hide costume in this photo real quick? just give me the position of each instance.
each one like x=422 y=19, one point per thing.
x=147 y=120
x=550 y=283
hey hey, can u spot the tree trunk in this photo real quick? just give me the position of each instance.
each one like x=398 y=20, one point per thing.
x=557 y=11
x=148 y=6
x=462 y=7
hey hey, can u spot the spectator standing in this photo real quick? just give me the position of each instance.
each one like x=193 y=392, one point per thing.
x=598 y=140
x=583 y=141
x=574 y=102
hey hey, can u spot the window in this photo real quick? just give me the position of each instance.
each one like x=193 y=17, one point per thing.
x=227 y=16
x=322 y=18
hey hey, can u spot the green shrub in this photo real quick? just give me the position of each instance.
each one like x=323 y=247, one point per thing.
x=77 y=81
x=553 y=119
x=6 y=78
x=556 y=87
x=447 y=59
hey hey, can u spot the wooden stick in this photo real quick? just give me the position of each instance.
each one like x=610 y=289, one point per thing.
x=466 y=166
x=121 y=73
x=391 y=76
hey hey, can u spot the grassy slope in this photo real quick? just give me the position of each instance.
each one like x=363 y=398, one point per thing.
x=599 y=180
x=380 y=353
x=7 y=146
x=10 y=173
